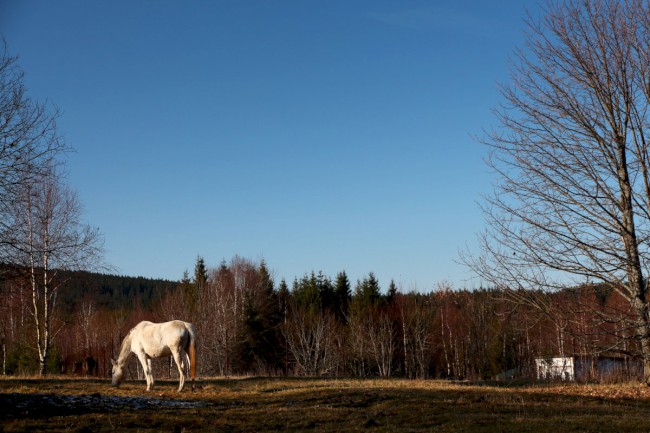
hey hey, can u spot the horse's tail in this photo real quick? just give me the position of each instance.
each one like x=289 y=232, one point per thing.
x=192 y=352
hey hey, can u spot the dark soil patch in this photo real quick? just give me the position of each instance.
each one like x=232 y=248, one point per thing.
x=17 y=405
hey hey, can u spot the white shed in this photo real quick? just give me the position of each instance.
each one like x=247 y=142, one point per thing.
x=562 y=368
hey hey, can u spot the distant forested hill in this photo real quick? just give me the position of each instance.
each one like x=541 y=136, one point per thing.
x=113 y=292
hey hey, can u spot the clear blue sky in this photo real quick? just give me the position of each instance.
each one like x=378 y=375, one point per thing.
x=332 y=135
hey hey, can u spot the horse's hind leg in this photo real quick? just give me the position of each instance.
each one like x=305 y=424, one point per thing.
x=188 y=366
x=181 y=373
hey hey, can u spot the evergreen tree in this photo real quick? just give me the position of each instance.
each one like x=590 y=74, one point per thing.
x=367 y=292
x=392 y=292
x=283 y=297
x=199 y=283
x=186 y=286
x=200 y=274
x=306 y=293
x=249 y=341
x=342 y=294
x=259 y=340
x=325 y=292
x=266 y=282
x=185 y=280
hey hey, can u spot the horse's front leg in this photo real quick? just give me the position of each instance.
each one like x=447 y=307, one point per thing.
x=146 y=367
x=150 y=371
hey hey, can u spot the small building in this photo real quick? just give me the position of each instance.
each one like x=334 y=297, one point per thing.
x=562 y=368
x=588 y=368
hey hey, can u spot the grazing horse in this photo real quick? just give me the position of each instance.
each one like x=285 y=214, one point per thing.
x=156 y=340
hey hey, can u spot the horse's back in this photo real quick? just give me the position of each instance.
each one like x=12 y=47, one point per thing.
x=142 y=324
x=165 y=327
x=177 y=332
x=157 y=338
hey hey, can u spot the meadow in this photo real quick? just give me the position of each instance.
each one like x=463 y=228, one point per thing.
x=319 y=405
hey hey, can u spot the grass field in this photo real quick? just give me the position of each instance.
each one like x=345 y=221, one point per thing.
x=319 y=405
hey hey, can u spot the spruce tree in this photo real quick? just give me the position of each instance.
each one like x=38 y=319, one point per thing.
x=200 y=274
x=259 y=340
x=367 y=292
x=198 y=284
x=342 y=294
x=306 y=292
x=392 y=292
x=325 y=291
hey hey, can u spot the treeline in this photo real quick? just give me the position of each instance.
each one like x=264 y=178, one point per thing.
x=319 y=325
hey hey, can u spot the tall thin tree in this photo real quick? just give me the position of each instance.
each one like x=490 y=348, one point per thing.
x=49 y=237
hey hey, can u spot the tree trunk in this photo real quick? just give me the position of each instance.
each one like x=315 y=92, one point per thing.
x=643 y=334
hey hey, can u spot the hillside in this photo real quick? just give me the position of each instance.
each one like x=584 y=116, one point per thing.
x=112 y=292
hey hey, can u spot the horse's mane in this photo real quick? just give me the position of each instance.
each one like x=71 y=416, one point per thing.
x=125 y=349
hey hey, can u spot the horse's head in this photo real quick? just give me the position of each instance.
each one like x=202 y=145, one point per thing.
x=118 y=374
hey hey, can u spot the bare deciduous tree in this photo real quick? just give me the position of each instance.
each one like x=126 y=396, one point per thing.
x=416 y=314
x=220 y=329
x=382 y=336
x=572 y=154
x=311 y=340
x=29 y=141
x=48 y=237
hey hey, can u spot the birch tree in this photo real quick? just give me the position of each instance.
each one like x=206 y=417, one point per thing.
x=571 y=151
x=49 y=237
x=29 y=142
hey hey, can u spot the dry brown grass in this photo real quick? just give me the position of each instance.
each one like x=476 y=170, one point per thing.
x=320 y=405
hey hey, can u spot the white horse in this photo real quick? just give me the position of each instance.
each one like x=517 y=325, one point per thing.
x=156 y=340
